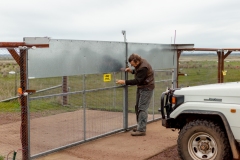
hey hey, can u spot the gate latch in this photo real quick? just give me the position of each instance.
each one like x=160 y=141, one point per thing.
x=28 y=91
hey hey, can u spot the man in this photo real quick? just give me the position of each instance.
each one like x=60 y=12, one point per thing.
x=144 y=79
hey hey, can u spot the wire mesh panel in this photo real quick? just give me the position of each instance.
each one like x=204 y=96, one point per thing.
x=103 y=102
x=54 y=125
x=93 y=107
x=10 y=111
x=53 y=122
x=104 y=112
x=9 y=72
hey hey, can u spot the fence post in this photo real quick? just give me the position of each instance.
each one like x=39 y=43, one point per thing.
x=24 y=106
x=65 y=90
x=84 y=107
x=125 y=93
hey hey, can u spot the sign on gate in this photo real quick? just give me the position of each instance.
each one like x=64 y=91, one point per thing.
x=107 y=77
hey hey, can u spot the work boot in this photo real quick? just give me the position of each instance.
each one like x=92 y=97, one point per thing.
x=134 y=129
x=138 y=133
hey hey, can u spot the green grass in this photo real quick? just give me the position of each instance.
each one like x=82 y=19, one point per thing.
x=12 y=106
x=205 y=72
x=35 y=106
x=199 y=72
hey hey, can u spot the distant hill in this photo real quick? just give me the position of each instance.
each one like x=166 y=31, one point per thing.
x=204 y=53
x=5 y=55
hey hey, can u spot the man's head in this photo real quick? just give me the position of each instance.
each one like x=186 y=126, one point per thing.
x=134 y=60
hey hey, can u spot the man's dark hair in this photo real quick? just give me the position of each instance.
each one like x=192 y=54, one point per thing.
x=135 y=58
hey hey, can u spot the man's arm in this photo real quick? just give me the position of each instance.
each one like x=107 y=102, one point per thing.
x=140 y=77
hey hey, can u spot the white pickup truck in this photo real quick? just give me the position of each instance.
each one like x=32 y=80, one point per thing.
x=208 y=119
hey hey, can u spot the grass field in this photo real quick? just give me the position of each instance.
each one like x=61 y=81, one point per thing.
x=203 y=69
x=199 y=69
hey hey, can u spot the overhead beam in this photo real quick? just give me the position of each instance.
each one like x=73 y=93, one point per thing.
x=12 y=45
x=18 y=44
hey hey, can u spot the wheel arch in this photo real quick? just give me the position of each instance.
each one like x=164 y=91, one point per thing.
x=189 y=115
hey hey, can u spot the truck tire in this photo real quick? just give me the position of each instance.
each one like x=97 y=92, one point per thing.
x=202 y=139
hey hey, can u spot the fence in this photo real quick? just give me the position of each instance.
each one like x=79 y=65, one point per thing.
x=70 y=108
x=10 y=116
x=9 y=70
x=88 y=107
x=94 y=109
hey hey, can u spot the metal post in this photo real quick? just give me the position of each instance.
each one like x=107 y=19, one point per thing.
x=172 y=78
x=177 y=70
x=84 y=107
x=219 y=66
x=153 y=99
x=125 y=92
x=24 y=106
x=16 y=83
x=222 y=65
x=65 y=90
x=114 y=91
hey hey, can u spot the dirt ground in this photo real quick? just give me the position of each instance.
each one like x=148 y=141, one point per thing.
x=158 y=144
x=170 y=153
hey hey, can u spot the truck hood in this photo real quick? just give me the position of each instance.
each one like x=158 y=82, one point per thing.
x=220 y=92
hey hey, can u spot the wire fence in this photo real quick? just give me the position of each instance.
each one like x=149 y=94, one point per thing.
x=94 y=108
x=9 y=72
x=10 y=115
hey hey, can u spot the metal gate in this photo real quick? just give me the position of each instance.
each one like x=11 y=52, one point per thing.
x=68 y=92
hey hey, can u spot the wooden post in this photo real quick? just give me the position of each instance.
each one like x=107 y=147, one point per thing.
x=178 y=56
x=65 y=90
x=24 y=106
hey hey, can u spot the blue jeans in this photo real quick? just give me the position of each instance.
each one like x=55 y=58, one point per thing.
x=143 y=98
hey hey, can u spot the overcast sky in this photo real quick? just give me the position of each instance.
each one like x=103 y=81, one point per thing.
x=204 y=23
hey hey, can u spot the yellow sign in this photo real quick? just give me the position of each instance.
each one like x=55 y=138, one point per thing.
x=224 y=73
x=107 y=77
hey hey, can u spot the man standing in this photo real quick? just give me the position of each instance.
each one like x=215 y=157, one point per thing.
x=144 y=79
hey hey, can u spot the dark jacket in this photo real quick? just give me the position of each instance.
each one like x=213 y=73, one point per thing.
x=144 y=76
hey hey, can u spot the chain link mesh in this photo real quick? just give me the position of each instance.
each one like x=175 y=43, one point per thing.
x=93 y=107
x=10 y=111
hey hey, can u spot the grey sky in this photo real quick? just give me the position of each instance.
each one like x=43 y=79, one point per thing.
x=205 y=23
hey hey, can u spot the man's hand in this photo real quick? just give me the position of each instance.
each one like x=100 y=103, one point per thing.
x=120 y=81
x=128 y=70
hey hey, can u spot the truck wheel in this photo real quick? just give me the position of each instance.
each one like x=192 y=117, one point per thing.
x=201 y=139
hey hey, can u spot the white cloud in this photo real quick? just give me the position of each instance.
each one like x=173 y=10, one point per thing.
x=201 y=22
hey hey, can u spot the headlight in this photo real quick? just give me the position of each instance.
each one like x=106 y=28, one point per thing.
x=177 y=100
